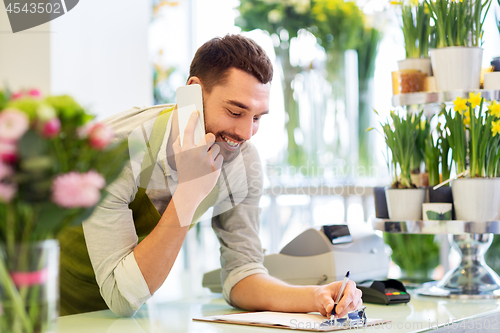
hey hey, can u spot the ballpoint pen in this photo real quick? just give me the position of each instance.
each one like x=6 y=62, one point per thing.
x=341 y=292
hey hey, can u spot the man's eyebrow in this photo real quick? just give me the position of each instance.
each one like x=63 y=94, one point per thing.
x=238 y=104
x=242 y=106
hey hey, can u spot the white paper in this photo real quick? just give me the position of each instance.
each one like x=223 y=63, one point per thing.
x=290 y=320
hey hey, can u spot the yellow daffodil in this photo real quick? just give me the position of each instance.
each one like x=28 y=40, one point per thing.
x=460 y=104
x=467 y=118
x=413 y=2
x=474 y=99
x=495 y=127
x=494 y=108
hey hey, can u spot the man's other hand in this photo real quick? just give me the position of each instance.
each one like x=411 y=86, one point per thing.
x=324 y=297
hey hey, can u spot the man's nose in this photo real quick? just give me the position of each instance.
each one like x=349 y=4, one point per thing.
x=245 y=130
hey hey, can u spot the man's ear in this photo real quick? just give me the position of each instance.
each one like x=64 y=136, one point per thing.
x=194 y=80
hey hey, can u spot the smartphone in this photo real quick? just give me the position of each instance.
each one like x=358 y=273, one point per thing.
x=189 y=99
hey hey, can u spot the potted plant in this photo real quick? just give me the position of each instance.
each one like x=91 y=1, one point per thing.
x=419 y=178
x=416 y=27
x=438 y=155
x=474 y=137
x=404 y=199
x=53 y=170
x=456 y=61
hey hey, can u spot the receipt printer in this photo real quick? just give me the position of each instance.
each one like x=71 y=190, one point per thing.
x=322 y=256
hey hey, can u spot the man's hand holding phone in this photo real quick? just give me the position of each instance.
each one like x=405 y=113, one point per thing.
x=198 y=167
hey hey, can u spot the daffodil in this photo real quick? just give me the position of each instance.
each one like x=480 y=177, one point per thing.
x=474 y=99
x=495 y=127
x=460 y=104
x=494 y=108
x=467 y=118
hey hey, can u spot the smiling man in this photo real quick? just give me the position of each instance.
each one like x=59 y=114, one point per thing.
x=124 y=252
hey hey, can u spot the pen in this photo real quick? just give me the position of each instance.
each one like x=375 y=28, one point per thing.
x=341 y=291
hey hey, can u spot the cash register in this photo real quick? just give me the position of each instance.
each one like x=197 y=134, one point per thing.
x=324 y=255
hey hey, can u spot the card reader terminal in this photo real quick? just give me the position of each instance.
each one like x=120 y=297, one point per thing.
x=384 y=292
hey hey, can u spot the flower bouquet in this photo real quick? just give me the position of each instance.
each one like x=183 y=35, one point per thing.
x=54 y=166
x=473 y=136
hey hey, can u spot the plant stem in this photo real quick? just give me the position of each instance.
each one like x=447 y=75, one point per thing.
x=12 y=293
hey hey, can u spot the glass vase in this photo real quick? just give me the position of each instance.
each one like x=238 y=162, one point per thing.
x=29 y=287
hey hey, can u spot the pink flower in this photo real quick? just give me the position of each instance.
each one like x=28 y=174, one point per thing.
x=51 y=128
x=5 y=170
x=13 y=124
x=7 y=192
x=75 y=190
x=83 y=131
x=100 y=136
x=8 y=151
x=34 y=93
x=16 y=95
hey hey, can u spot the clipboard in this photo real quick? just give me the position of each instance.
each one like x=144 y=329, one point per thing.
x=295 y=321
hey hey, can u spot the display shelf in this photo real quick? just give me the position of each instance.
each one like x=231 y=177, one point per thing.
x=453 y=227
x=473 y=278
x=440 y=96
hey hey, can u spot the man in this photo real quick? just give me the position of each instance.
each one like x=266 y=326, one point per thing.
x=102 y=263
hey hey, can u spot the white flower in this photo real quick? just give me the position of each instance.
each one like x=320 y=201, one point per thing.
x=13 y=124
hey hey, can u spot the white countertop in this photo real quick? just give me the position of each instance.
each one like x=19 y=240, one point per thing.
x=420 y=315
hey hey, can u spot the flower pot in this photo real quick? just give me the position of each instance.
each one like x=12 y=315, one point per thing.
x=476 y=199
x=405 y=204
x=495 y=62
x=492 y=81
x=29 y=287
x=457 y=67
x=380 y=203
x=421 y=64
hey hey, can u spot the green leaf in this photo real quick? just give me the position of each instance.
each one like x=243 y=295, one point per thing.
x=32 y=145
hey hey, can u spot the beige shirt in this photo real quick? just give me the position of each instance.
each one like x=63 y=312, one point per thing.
x=110 y=233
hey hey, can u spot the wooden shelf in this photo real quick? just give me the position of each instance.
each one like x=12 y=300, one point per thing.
x=440 y=97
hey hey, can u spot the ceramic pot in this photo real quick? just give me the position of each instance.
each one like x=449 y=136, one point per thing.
x=492 y=81
x=380 y=203
x=495 y=62
x=405 y=204
x=457 y=67
x=476 y=199
x=421 y=64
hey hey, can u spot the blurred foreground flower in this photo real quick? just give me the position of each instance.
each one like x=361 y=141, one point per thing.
x=51 y=128
x=7 y=192
x=75 y=190
x=100 y=136
x=13 y=124
x=8 y=151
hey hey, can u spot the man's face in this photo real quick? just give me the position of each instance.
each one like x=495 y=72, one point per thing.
x=233 y=110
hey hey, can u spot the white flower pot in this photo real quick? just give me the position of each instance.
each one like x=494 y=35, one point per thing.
x=476 y=199
x=492 y=81
x=405 y=204
x=457 y=67
x=421 y=64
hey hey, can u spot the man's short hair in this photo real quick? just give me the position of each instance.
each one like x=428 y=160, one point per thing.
x=214 y=58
